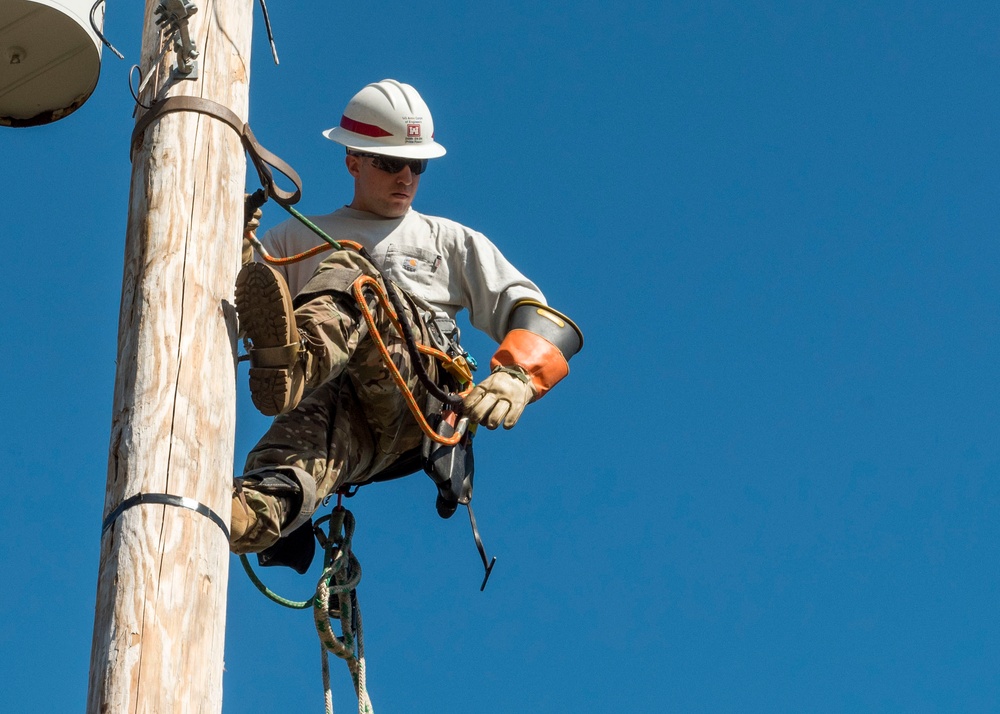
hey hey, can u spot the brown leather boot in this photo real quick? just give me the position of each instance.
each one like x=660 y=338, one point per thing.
x=268 y=503
x=250 y=528
x=267 y=321
x=242 y=520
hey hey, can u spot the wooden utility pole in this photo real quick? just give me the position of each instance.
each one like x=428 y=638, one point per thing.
x=161 y=596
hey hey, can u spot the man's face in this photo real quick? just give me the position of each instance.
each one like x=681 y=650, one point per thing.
x=380 y=192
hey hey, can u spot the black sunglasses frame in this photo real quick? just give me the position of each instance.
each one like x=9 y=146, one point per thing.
x=392 y=164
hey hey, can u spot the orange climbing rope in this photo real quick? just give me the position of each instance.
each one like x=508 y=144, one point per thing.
x=458 y=367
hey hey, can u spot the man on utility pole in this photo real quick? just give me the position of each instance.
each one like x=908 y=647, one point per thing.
x=160 y=617
x=347 y=410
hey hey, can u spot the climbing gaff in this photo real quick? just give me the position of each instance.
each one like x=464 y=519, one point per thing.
x=50 y=58
x=488 y=564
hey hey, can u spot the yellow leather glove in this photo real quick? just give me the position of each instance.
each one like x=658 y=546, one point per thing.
x=500 y=398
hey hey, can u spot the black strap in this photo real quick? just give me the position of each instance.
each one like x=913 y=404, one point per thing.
x=262 y=159
x=165 y=499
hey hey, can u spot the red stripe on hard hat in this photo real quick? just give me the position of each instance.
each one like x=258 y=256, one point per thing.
x=359 y=127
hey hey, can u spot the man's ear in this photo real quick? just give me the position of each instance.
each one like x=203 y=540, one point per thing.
x=353 y=164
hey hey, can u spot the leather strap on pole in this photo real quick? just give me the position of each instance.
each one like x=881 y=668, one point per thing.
x=262 y=159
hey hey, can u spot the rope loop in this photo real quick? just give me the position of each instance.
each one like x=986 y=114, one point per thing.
x=340 y=578
x=336 y=597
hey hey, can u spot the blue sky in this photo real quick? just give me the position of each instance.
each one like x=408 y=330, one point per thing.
x=770 y=483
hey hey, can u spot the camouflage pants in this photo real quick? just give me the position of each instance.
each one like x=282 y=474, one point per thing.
x=353 y=422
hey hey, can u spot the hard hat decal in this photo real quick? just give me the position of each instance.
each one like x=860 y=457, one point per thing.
x=359 y=127
x=413 y=131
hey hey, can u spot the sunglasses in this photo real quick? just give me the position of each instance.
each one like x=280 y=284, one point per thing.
x=392 y=165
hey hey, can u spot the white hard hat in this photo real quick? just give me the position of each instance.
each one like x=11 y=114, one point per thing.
x=388 y=118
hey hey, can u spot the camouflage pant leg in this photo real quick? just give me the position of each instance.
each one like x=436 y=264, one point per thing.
x=395 y=428
x=326 y=436
x=356 y=422
x=331 y=330
x=330 y=320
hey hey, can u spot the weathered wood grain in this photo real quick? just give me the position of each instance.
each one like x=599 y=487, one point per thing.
x=160 y=616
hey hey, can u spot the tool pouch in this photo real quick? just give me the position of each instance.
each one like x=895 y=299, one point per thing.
x=451 y=468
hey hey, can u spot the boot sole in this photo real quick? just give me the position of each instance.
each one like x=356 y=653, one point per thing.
x=267 y=318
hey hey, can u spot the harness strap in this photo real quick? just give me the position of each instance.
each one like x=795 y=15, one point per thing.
x=262 y=159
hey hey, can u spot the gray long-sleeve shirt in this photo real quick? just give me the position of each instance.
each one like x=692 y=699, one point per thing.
x=442 y=264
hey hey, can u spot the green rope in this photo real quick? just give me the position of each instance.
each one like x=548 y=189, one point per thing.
x=340 y=578
x=311 y=226
x=293 y=604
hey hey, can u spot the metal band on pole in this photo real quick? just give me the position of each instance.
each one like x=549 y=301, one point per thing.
x=165 y=499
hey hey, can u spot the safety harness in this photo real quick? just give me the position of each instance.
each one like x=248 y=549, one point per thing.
x=446 y=451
